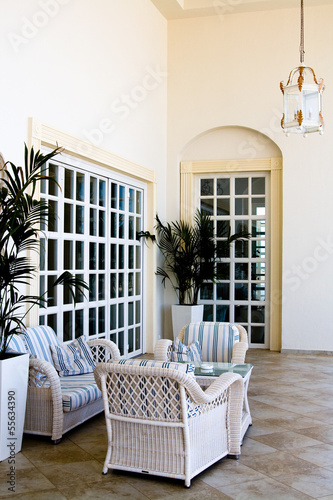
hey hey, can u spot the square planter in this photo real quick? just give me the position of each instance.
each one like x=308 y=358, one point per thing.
x=184 y=314
x=14 y=371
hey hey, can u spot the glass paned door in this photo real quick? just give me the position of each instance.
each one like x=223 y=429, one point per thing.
x=238 y=203
x=92 y=233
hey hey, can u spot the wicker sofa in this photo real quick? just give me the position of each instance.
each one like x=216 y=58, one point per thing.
x=159 y=421
x=224 y=342
x=56 y=404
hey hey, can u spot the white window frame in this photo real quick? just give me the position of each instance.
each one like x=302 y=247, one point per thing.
x=41 y=135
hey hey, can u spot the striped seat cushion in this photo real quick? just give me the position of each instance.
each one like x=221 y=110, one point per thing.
x=182 y=367
x=216 y=339
x=78 y=391
x=39 y=339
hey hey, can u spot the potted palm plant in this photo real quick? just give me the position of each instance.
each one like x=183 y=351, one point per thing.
x=191 y=254
x=21 y=219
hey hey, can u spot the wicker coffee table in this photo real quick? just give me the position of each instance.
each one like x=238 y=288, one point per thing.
x=207 y=372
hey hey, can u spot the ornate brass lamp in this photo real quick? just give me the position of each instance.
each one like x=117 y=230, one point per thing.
x=302 y=97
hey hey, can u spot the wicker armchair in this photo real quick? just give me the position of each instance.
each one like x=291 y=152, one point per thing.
x=57 y=404
x=204 y=333
x=159 y=421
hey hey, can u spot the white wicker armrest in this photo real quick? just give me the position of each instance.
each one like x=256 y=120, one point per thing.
x=240 y=348
x=40 y=368
x=235 y=384
x=239 y=352
x=104 y=350
x=162 y=350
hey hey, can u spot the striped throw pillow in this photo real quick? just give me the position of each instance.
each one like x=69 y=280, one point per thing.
x=73 y=359
x=181 y=352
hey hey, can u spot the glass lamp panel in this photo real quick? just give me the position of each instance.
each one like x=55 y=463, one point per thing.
x=311 y=106
x=292 y=103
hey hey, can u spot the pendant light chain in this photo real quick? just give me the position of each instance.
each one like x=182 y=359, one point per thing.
x=301 y=48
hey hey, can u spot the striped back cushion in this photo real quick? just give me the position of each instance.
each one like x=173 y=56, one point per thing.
x=216 y=339
x=180 y=352
x=39 y=339
x=74 y=358
x=17 y=344
x=182 y=367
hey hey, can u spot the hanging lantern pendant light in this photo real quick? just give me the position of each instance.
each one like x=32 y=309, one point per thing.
x=302 y=97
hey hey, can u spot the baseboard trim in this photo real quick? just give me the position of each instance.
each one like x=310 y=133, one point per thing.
x=302 y=351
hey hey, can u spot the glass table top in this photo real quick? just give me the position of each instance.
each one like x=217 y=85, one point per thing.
x=210 y=369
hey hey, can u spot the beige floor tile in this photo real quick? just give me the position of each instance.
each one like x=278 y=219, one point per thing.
x=108 y=490
x=264 y=489
x=260 y=427
x=40 y=495
x=294 y=422
x=68 y=475
x=156 y=488
x=286 y=441
x=251 y=448
x=323 y=433
x=229 y=472
x=26 y=480
x=287 y=454
x=50 y=454
x=316 y=483
x=275 y=464
x=321 y=455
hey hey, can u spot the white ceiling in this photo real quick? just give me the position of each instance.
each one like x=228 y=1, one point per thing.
x=177 y=9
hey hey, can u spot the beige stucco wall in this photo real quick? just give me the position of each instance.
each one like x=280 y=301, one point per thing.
x=225 y=71
x=96 y=70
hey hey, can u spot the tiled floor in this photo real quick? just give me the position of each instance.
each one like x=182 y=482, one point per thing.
x=287 y=454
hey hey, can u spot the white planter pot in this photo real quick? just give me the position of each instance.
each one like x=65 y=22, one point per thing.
x=13 y=397
x=182 y=315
